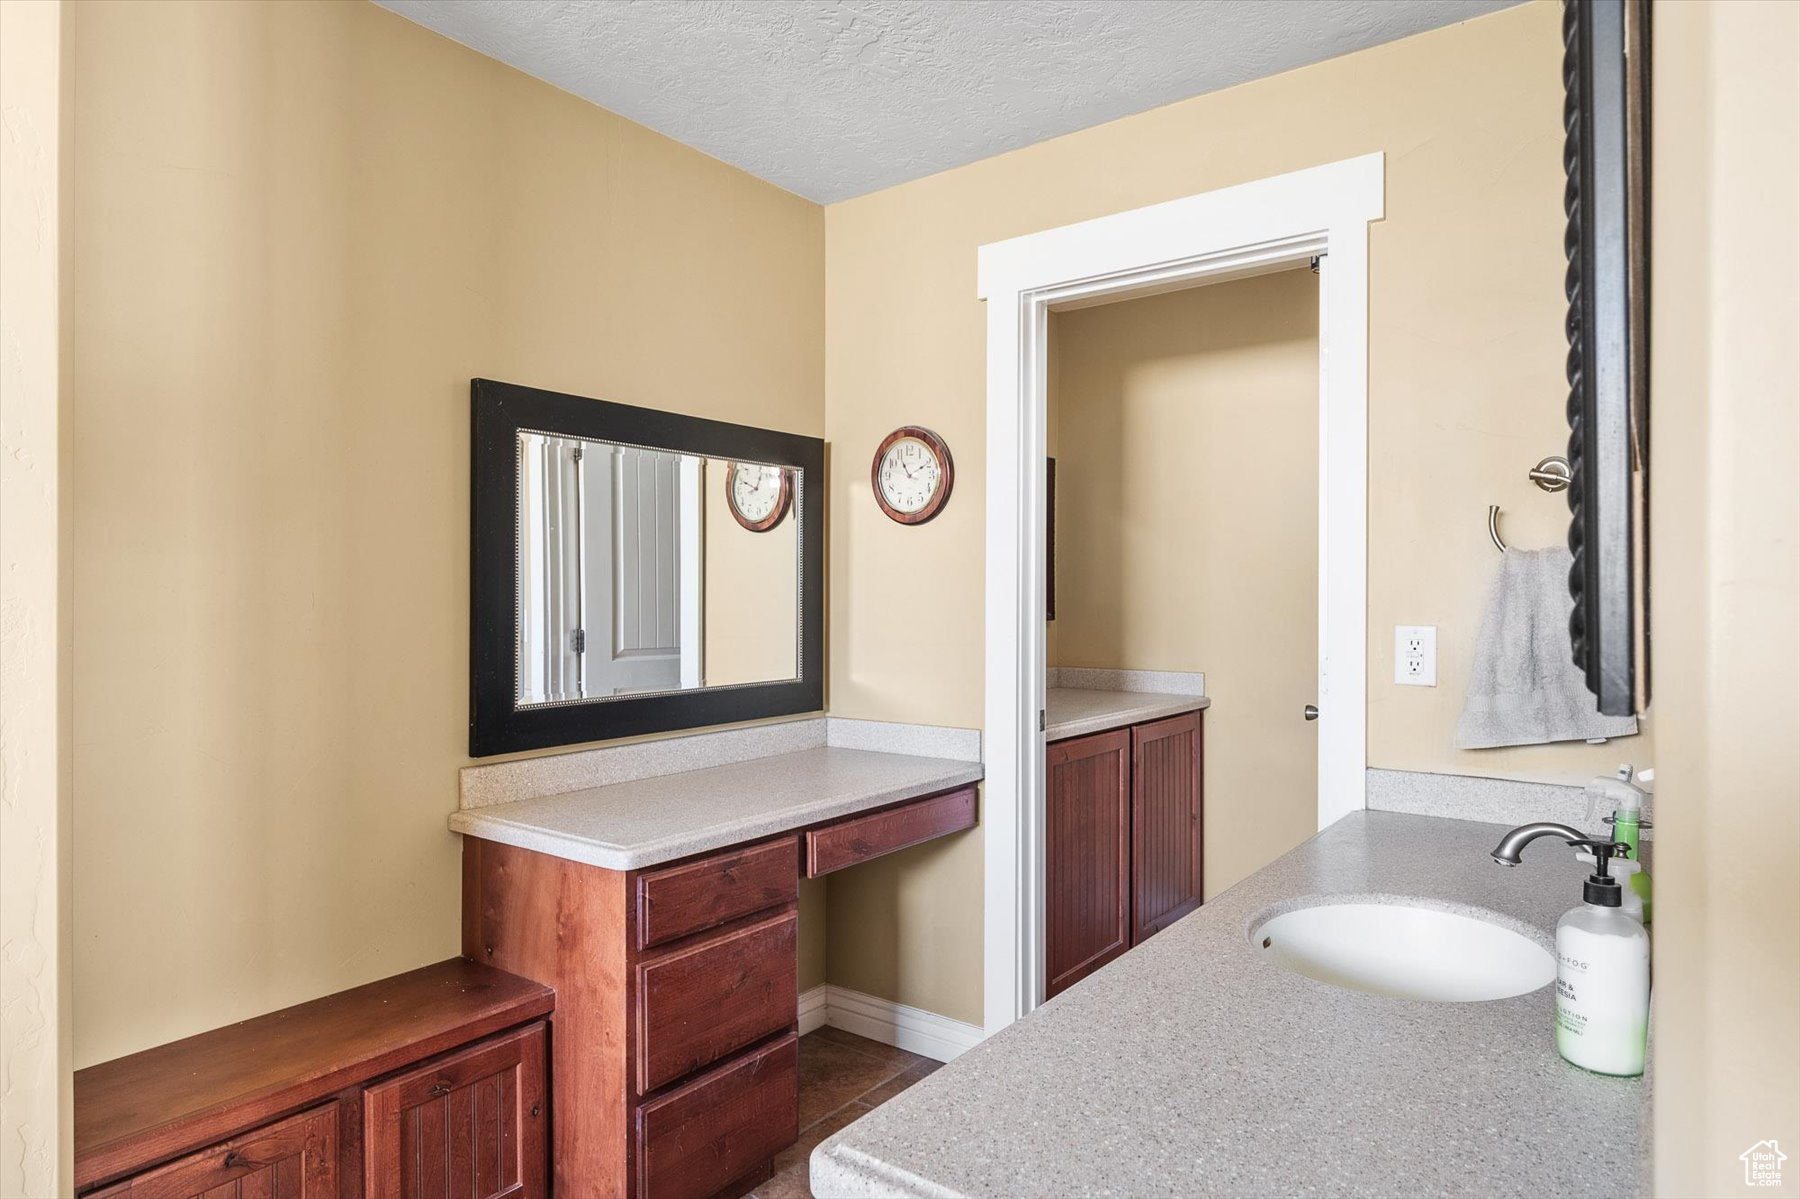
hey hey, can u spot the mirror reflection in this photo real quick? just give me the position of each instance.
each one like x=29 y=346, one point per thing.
x=644 y=570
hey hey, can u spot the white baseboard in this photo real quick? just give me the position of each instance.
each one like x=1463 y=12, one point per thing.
x=912 y=1029
x=812 y=1009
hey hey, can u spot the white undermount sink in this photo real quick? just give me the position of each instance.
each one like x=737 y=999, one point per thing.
x=1404 y=951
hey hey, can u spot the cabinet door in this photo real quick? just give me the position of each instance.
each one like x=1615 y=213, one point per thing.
x=1087 y=856
x=296 y=1158
x=1165 y=823
x=470 y=1125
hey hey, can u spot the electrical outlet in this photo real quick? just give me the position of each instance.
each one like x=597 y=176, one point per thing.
x=1415 y=655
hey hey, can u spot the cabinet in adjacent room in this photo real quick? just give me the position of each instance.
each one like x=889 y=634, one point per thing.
x=1165 y=823
x=1087 y=856
x=1121 y=842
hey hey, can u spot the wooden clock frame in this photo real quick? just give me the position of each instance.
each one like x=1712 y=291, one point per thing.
x=782 y=502
x=937 y=502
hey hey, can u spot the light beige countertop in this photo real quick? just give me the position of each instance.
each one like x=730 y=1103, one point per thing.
x=1191 y=1066
x=1075 y=712
x=643 y=822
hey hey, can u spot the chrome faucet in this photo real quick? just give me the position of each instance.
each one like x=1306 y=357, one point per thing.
x=1507 y=852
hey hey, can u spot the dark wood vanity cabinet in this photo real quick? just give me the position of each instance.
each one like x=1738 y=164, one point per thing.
x=675 y=985
x=430 y=1084
x=1122 y=840
x=675 y=1042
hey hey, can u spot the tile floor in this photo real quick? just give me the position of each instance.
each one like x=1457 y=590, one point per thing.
x=841 y=1077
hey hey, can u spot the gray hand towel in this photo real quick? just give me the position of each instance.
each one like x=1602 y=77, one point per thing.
x=1524 y=687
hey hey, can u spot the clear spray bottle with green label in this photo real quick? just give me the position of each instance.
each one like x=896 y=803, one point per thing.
x=1619 y=801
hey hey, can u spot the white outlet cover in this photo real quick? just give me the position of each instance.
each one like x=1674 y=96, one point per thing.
x=1415 y=655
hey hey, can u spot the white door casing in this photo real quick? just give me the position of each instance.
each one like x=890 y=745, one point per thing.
x=1249 y=229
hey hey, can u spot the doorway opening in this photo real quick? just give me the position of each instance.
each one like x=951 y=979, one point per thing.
x=1185 y=523
x=1235 y=233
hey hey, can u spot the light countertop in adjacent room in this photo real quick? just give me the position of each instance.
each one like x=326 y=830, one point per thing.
x=1075 y=712
x=1191 y=1066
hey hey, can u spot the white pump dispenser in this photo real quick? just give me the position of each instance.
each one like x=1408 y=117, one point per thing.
x=1602 y=978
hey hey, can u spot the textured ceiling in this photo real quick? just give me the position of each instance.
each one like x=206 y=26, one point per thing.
x=831 y=100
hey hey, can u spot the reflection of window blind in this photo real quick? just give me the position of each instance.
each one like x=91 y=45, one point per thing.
x=646 y=575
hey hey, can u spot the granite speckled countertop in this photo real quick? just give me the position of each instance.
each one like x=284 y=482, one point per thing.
x=1190 y=1066
x=630 y=825
x=1075 y=712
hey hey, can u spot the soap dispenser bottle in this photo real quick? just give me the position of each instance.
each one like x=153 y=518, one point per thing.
x=1624 y=870
x=1620 y=802
x=1602 y=976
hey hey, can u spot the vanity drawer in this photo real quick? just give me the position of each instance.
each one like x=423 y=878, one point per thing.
x=698 y=1004
x=697 y=1138
x=847 y=842
x=681 y=900
x=297 y=1156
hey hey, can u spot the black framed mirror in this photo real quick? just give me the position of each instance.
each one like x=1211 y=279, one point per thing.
x=1606 y=111
x=635 y=571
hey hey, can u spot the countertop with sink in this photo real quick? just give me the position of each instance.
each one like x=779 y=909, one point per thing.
x=647 y=821
x=1075 y=711
x=1194 y=1066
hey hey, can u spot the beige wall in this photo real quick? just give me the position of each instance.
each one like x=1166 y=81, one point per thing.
x=1725 y=404
x=1465 y=376
x=35 y=900
x=300 y=230
x=752 y=592
x=1187 y=486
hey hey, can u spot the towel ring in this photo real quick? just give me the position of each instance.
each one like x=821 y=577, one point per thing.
x=1551 y=474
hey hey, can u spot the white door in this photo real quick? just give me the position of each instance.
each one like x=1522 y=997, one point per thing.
x=634 y=588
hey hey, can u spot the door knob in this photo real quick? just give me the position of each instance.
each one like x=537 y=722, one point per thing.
x=1310 y=712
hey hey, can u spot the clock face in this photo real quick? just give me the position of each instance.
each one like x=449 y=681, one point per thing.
x=912 y=475
x=759 y=494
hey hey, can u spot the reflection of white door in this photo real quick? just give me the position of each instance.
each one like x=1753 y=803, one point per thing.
x=635 y=571
x=549 y=587
x=610 y=575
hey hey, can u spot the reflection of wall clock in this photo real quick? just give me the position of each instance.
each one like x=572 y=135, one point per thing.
x=912 y=475
x=758 y=495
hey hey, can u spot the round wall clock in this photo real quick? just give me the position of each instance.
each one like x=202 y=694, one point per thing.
x=912 y=475
x=758 y=495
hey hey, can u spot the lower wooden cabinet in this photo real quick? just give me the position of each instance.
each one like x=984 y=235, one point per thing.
x=675 y=1065
x=296 y=1158
x=430 y=1085
x=1122 y=842
x=1087 y=856
x=1165 y=823
x=470 y=1125
x=674 y=1046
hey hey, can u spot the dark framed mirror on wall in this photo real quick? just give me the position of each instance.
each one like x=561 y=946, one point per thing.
x=635 y=571
x=1606 y=112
